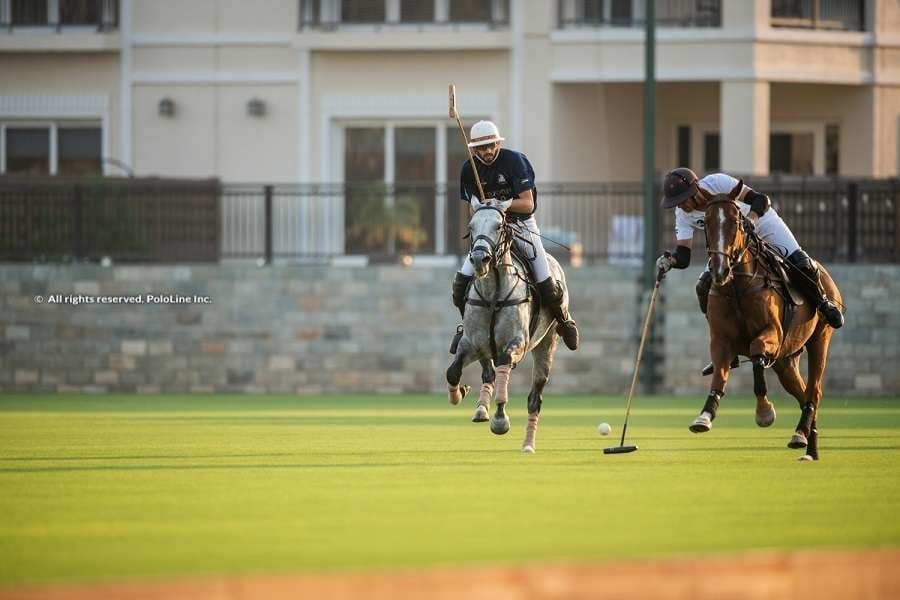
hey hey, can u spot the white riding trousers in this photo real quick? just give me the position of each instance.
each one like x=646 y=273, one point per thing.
x=535 y=253
x=773 y=230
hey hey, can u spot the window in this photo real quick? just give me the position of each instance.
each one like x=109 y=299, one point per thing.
x=102 y=14
x=711 y=152
x=79 y=151
x=28 y=150
x=684 y=146
x=791 y=153
x=364 y=176
x=847 y=15
x=29 y=12
x=457 y=217
x=402 y=188
x=414 y=190
x=79 y=12
x=832 y=149
x=630 y=13
x=463 y=11
x=416 y=11
x=51 y=149
x=620 y=12
x=362 y=11
x=327 y=14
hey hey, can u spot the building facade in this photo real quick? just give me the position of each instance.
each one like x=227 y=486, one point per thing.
x=355 y=91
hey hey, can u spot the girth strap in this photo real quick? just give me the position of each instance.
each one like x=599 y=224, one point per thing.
x=497 y=304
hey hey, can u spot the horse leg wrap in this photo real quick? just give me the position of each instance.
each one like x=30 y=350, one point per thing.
x=807 y=418
x=712 y=403
x=812 y=448
x=531 y=429
x=484 y=398
x=759 y=380
x=502 y=383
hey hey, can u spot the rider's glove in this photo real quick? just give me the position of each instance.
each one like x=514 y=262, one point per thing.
x=664 y=263
x=750 y=223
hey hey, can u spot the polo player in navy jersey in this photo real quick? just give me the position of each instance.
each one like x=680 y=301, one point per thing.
x=506 y=174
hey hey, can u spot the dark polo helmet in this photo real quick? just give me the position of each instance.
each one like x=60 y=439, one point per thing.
x=679 y=185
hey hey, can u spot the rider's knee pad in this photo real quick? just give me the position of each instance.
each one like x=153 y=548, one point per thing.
x=802 y=261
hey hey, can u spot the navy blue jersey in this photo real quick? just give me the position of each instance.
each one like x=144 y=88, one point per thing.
x=508 y=176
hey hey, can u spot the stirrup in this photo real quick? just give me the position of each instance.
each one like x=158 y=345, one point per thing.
x=708 y=369
x=458 y=336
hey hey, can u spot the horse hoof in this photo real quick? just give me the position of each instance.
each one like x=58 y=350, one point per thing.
x=481 y=414
x=798 y=440
x=528 y=449
x=806 y=458
x=500 y=426
x=766 y=418
x=701 y=424
x=456 y=396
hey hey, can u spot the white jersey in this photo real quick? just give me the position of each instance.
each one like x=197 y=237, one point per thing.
x=770 y=227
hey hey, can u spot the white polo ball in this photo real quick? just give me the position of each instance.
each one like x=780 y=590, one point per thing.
x=604 y=428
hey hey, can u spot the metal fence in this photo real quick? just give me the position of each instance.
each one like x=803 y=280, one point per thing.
x=836 y=220
x=150 y=220
x=132 y=220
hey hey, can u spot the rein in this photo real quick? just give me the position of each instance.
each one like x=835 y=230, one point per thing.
x=753 y=248
x=497 y=250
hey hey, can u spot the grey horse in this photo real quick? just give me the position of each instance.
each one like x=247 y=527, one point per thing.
x=499 y=325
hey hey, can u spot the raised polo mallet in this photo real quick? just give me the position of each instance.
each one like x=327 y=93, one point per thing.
x=622 y=448
x=454 y=114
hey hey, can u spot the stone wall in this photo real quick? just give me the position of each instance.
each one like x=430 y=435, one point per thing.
x=295 y=329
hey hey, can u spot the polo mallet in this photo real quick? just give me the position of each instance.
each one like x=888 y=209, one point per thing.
x=454 y=114
x=622 y=448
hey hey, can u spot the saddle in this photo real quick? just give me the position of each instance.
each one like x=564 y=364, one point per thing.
x=778 y=277
x=533 y=296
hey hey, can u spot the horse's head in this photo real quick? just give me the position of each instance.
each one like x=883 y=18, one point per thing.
x=487 y=232
x=725 y=237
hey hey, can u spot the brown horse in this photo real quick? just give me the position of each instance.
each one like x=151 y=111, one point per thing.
x=749 y=314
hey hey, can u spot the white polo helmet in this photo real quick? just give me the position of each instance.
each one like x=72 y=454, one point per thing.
x=484 y=132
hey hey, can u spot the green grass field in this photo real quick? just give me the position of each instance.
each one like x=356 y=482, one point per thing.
x=115 y=487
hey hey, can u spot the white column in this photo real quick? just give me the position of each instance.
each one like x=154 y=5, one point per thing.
x=126 y=120
x=304 y=117
x=744 y=127
x=516 y=73
x=440 y=200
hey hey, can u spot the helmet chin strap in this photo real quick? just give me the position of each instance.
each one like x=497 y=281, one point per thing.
x=485 y=162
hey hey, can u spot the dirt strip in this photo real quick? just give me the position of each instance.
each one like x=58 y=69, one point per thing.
x=866 y=575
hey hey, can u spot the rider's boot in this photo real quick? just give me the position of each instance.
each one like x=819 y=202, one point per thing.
x=703 y=285
x=807 y=279
x=460 y=286
x=551 y=297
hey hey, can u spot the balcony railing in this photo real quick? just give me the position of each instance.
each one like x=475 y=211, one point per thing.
x=103 y=15
x=630 y=13
x=835 y=15
x=333 y=14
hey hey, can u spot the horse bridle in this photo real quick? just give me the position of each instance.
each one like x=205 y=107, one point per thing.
x=492 y=247
x=735 y=257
